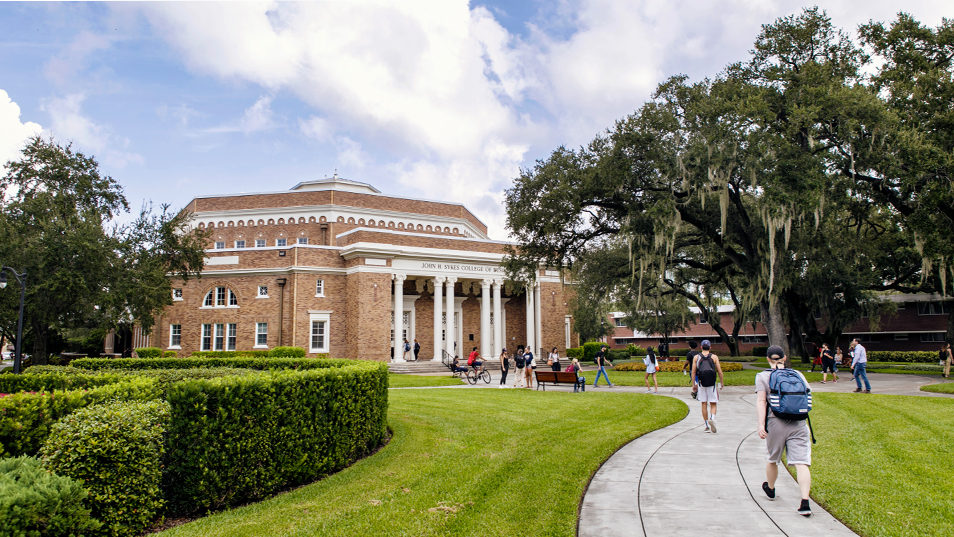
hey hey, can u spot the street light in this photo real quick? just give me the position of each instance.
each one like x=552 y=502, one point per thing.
x=17 y=360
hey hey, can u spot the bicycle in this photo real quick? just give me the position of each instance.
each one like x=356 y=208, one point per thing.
x=473 y=376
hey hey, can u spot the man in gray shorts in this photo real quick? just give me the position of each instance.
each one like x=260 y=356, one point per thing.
x=706 y=364
x=779 y=434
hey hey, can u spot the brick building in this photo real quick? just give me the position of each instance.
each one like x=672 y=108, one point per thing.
x=919 y=324
x=326 y=265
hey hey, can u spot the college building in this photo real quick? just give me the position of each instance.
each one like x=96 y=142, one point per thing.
x=918 y=324
x=338 y=268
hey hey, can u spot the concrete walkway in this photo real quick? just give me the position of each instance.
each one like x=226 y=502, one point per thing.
x=681 y=480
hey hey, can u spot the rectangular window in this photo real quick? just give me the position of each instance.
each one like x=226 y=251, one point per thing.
x=262 y=291
x=317 y=336
x=177 y=294
x=900 y=337
x=206 y=337
x=259 y=243
x=619 y=322
x=230 y=341
x=281 y=242
x=240 y=244
x=219 y=337
x=233 y=300
x=175 y=335
x=936 y=337
x=220 y=245
x=320 y=288
x=934 y=308
x=261 y=334
x=220 y=296
x=302 y=240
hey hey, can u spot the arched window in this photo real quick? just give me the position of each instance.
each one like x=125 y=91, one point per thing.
x=220 y=297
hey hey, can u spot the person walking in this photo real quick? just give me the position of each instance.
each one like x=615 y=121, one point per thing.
x=407 y=350
x=704 y=370
x=574 y=367
x=504 y=368
x=789 y=435
x=519 y=364
x=553 y=359
x=690 y=356
x=828 y=364
x=859 y=365
x=650 y=361
x=531 y=366
x=601 y=361
x=946 y=357
x=417 y=349
x=817 y=361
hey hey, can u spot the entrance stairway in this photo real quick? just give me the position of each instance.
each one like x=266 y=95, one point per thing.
x=428 y=366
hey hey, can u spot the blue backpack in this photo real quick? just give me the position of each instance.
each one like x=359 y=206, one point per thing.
x=789 y=397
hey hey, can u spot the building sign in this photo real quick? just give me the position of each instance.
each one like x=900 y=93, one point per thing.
x=446 y=267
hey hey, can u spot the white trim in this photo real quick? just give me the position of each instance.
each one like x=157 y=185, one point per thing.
x=219 y=307
x=222 y=260
x=417 y=234
x=319 y=317
x=260 y=347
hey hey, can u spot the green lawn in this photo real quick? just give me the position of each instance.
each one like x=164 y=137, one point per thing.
x=419 y=381
x=745 y=377
x=882 y=464
x=944 y=387
x=462 y=462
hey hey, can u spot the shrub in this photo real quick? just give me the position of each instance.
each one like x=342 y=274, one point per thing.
x=923 y=357
x=169 y=354
x=760 y=351
x=149 y=352
x=51 y=378
x=26 y=417
x=116 y=450
x=635 y=350
x=674 y=367
x=192 y=362
x=630 y=366
x=287 y=352
x=619 y=354
x=574 y=352
x=236 y=439
x=590 y=349
x=35 y=502
x=230 y=354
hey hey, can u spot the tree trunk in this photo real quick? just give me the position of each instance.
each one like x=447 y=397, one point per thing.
x=39 y=356
x=734 y=343
x=950 y=327
x=797 y=340
x=772 y=321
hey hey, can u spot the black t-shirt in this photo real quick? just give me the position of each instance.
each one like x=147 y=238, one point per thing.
x=827 y=355
x=691 y=355
x=599 y=357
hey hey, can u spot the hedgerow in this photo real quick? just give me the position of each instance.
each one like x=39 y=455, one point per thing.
x=236 y=439
x=199 y=363
x=674 y=367
x=922 y=357
x=116 y=451
x=277 y=352
x=26 y=417
x=38 y=503
x=149 y=352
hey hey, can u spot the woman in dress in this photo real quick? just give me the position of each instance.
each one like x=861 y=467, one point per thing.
x=650 y=361
x=504 y=368
x=554 y=359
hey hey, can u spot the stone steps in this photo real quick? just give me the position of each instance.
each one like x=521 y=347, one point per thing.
x=423 y=367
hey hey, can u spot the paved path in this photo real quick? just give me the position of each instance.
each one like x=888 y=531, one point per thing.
x=659 y=485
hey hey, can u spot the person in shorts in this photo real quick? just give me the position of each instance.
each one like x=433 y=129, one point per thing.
x=707 y=395
x=828 y=364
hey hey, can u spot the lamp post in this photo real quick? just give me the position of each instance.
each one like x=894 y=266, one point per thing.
x=17 y=360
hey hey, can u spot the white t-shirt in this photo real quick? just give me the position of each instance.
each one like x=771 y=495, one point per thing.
x=650 y=366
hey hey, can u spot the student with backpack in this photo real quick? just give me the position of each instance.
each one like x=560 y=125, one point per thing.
x=784 y=400
x=601 y=361
x=690 y=356
x=704 y=369
x=519 y=363
x=650 y=361
x=574 y=367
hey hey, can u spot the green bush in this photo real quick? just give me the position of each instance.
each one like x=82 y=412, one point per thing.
x=635 y=350
x=230 y=354
x=287 y=352
x=574 y=352
x=26 y=417
x=38 y=503
x=93 y=364
x=49 y=378
x=760 y=351
x=149 y=352
x=619 y=354
x=918 y=357
x=169 y=354
x=237 y=439
x=116 y=450
x=590 y=349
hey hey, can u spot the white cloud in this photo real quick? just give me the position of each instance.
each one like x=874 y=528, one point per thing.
x=258 y=117
x=13 y=133
x=69 y=124
x=63 y=67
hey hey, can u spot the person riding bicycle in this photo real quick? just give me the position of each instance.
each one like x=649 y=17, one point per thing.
x=474 y=361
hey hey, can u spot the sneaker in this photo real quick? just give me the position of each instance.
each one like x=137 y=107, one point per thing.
x=649 y=391
x=695 y=394
x=712 y=424
x=804 y=509
x=867 y=391
x=823 y=382
x=707 y=427
x=858 y=390
x=684 y=373
x=768 y=492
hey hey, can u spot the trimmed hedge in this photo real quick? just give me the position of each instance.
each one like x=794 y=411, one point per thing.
x=575 y=352
x=916 y=357
x=58 y=377
x=149 y=352
x=26 y=417
x=116 y=450
x=169 y=354
x=590 y=349
x=619 y=354
x=760 y=351
x=277 y=352
x=53 y=377
x=674 y=367
x=36 y=502
x=94 y=364
x=236 y=439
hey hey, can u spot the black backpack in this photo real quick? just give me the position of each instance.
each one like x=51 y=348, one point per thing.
x=706 y=370
x=519 y=361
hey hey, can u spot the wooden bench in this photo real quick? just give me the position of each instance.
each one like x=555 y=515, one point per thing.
x=557 y=377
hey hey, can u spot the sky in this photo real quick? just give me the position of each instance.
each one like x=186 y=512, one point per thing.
x=444 y=100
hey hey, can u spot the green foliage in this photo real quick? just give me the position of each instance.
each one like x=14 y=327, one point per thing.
x=149 y=352
x=287 y=352
x=924 y=357
x=575 y=352
x=26 y=418
x=277 y=352
x=38 y=503
x=169 y=354
x=53 y=377
x=238 y=362
x=636 y=350
x=237 y=439
x=590 y=349
x=760 y=351
x=116 y=450
x=618 y=354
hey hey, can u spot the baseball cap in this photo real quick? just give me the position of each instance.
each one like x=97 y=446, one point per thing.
x=775 y=352
x=706 y=344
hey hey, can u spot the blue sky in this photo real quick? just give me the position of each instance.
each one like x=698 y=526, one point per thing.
x=437 y=99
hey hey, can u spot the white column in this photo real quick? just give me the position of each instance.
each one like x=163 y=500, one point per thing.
x=531 y=324
x=485 y=350
x=438 y=304
x=449 y=311
x=498 y=320
x=538 y=334
x=399 y=317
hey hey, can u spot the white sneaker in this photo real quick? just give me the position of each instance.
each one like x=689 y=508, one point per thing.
x=684 y=373
x=712 y=423
x=649 y=391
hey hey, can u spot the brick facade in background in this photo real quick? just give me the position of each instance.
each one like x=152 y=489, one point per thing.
x=356 y=240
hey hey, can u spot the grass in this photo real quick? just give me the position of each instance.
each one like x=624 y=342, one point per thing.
x=422 y=381
x=944 y=387
x=462 y=462
x=882 y=463
x=635 y=378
